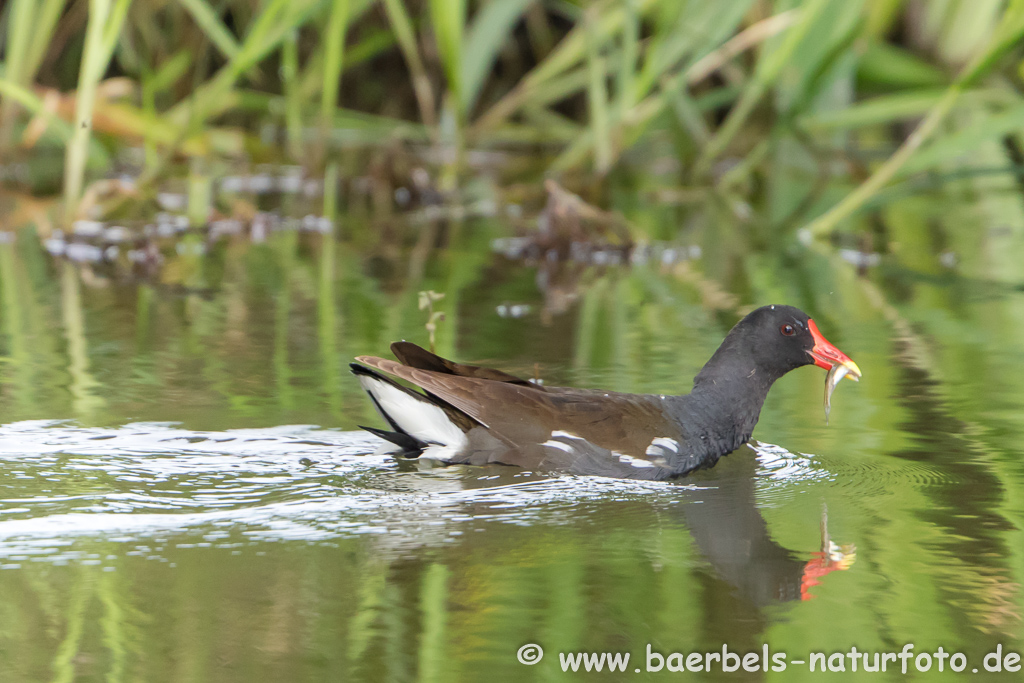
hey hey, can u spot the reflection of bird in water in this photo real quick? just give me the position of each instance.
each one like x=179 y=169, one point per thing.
x=720 y=513
x=830 y=558
x=732 y=534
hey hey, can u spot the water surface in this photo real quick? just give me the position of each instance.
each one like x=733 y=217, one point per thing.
x=183 y=494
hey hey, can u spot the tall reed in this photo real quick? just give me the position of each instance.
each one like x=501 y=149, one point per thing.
x=737 y=79
x=103 y=29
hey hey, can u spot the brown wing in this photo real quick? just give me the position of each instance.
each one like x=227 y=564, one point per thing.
x=417 y=357
x=474 y=396
x=518 y=413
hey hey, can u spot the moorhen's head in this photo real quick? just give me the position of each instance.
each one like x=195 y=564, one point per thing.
x=771 y=341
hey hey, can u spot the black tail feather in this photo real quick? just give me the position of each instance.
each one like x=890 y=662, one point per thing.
x=409 y=445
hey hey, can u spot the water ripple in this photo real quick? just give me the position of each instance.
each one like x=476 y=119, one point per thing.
x=149 y=480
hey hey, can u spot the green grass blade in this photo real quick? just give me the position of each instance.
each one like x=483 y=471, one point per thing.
x=934 y=15
x=30 y=27
x=576 y=153
x=573 y=48
x=966 y=140
x=487 y=35
x=881 y=16
x=570 y=52
x=368 y=44
x=597 y=98
x=883 y=64
x=967 y=29
x=690 y=117
x=102 y=29
x=38 y=37
x=401 y=24
x=700 y=30
x=112 y=31
x=768 y=69
x=212 y=26
x=20 y=24
x=875 y=111
x=638 y=118
x=334 y=58
x=626 y=80
x=271 y=28
x=30 y=101
x=447 y=18
x=886 y=171
x=277 y=21
x=1007 y=35
x=171 y=70
x=293 y=103
x=549 y=125
x=148 y=94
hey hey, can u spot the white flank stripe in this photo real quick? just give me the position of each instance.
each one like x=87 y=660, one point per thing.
x=663 y=443
x=633 y=462
x=559 y=445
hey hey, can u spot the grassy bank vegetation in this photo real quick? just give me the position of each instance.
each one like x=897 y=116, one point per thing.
x=869 y=91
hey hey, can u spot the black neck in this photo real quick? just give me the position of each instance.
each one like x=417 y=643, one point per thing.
x=720 y=413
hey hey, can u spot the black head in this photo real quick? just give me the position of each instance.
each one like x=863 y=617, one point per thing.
x=768 y=343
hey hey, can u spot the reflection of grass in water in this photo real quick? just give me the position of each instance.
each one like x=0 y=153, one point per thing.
x=83 y=385
x=285 y=249
x=433 y=659
x=15 y=364
x=70 y=646
x=604 y=581
x=327 y=304
x=531 y=587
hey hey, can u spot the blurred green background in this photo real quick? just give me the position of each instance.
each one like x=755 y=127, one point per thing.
x=732 y=88
x=208 y=208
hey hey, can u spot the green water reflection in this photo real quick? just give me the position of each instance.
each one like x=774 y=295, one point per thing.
x=919 y=471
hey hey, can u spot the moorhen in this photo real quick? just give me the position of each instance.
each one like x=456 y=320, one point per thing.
x=476 y=415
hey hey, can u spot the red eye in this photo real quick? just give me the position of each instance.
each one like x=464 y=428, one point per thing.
x=787 y=330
